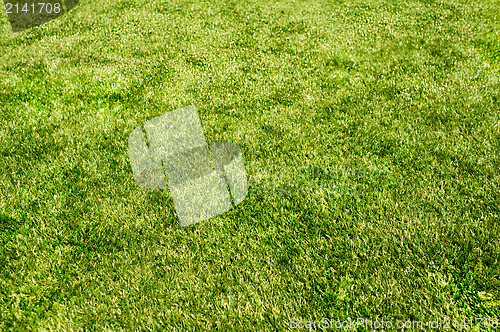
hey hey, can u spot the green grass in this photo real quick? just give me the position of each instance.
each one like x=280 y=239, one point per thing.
x=408 y=90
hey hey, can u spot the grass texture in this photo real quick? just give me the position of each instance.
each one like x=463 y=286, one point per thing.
x=401 y=99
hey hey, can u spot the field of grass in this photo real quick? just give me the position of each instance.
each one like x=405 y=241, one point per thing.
x=400 y=98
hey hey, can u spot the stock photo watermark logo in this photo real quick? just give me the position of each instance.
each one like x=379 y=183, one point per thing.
x=24 y=14
x=178 y=149
x=354 y=324
x=309 y=180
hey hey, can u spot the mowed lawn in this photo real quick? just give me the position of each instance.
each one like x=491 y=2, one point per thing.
x=401 y=99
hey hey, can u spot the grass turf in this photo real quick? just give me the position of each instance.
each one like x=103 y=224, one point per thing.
x=400 y=98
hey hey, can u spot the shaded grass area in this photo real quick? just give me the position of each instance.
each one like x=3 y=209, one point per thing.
x=408 y=90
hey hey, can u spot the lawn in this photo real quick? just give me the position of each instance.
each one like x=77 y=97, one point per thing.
x=371 y=138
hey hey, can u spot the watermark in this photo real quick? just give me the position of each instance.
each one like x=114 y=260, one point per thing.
x=311 y=179
x=173 y=150
x=376 y=324
x=178 y=154
x=305 y=189
x=26 y=14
